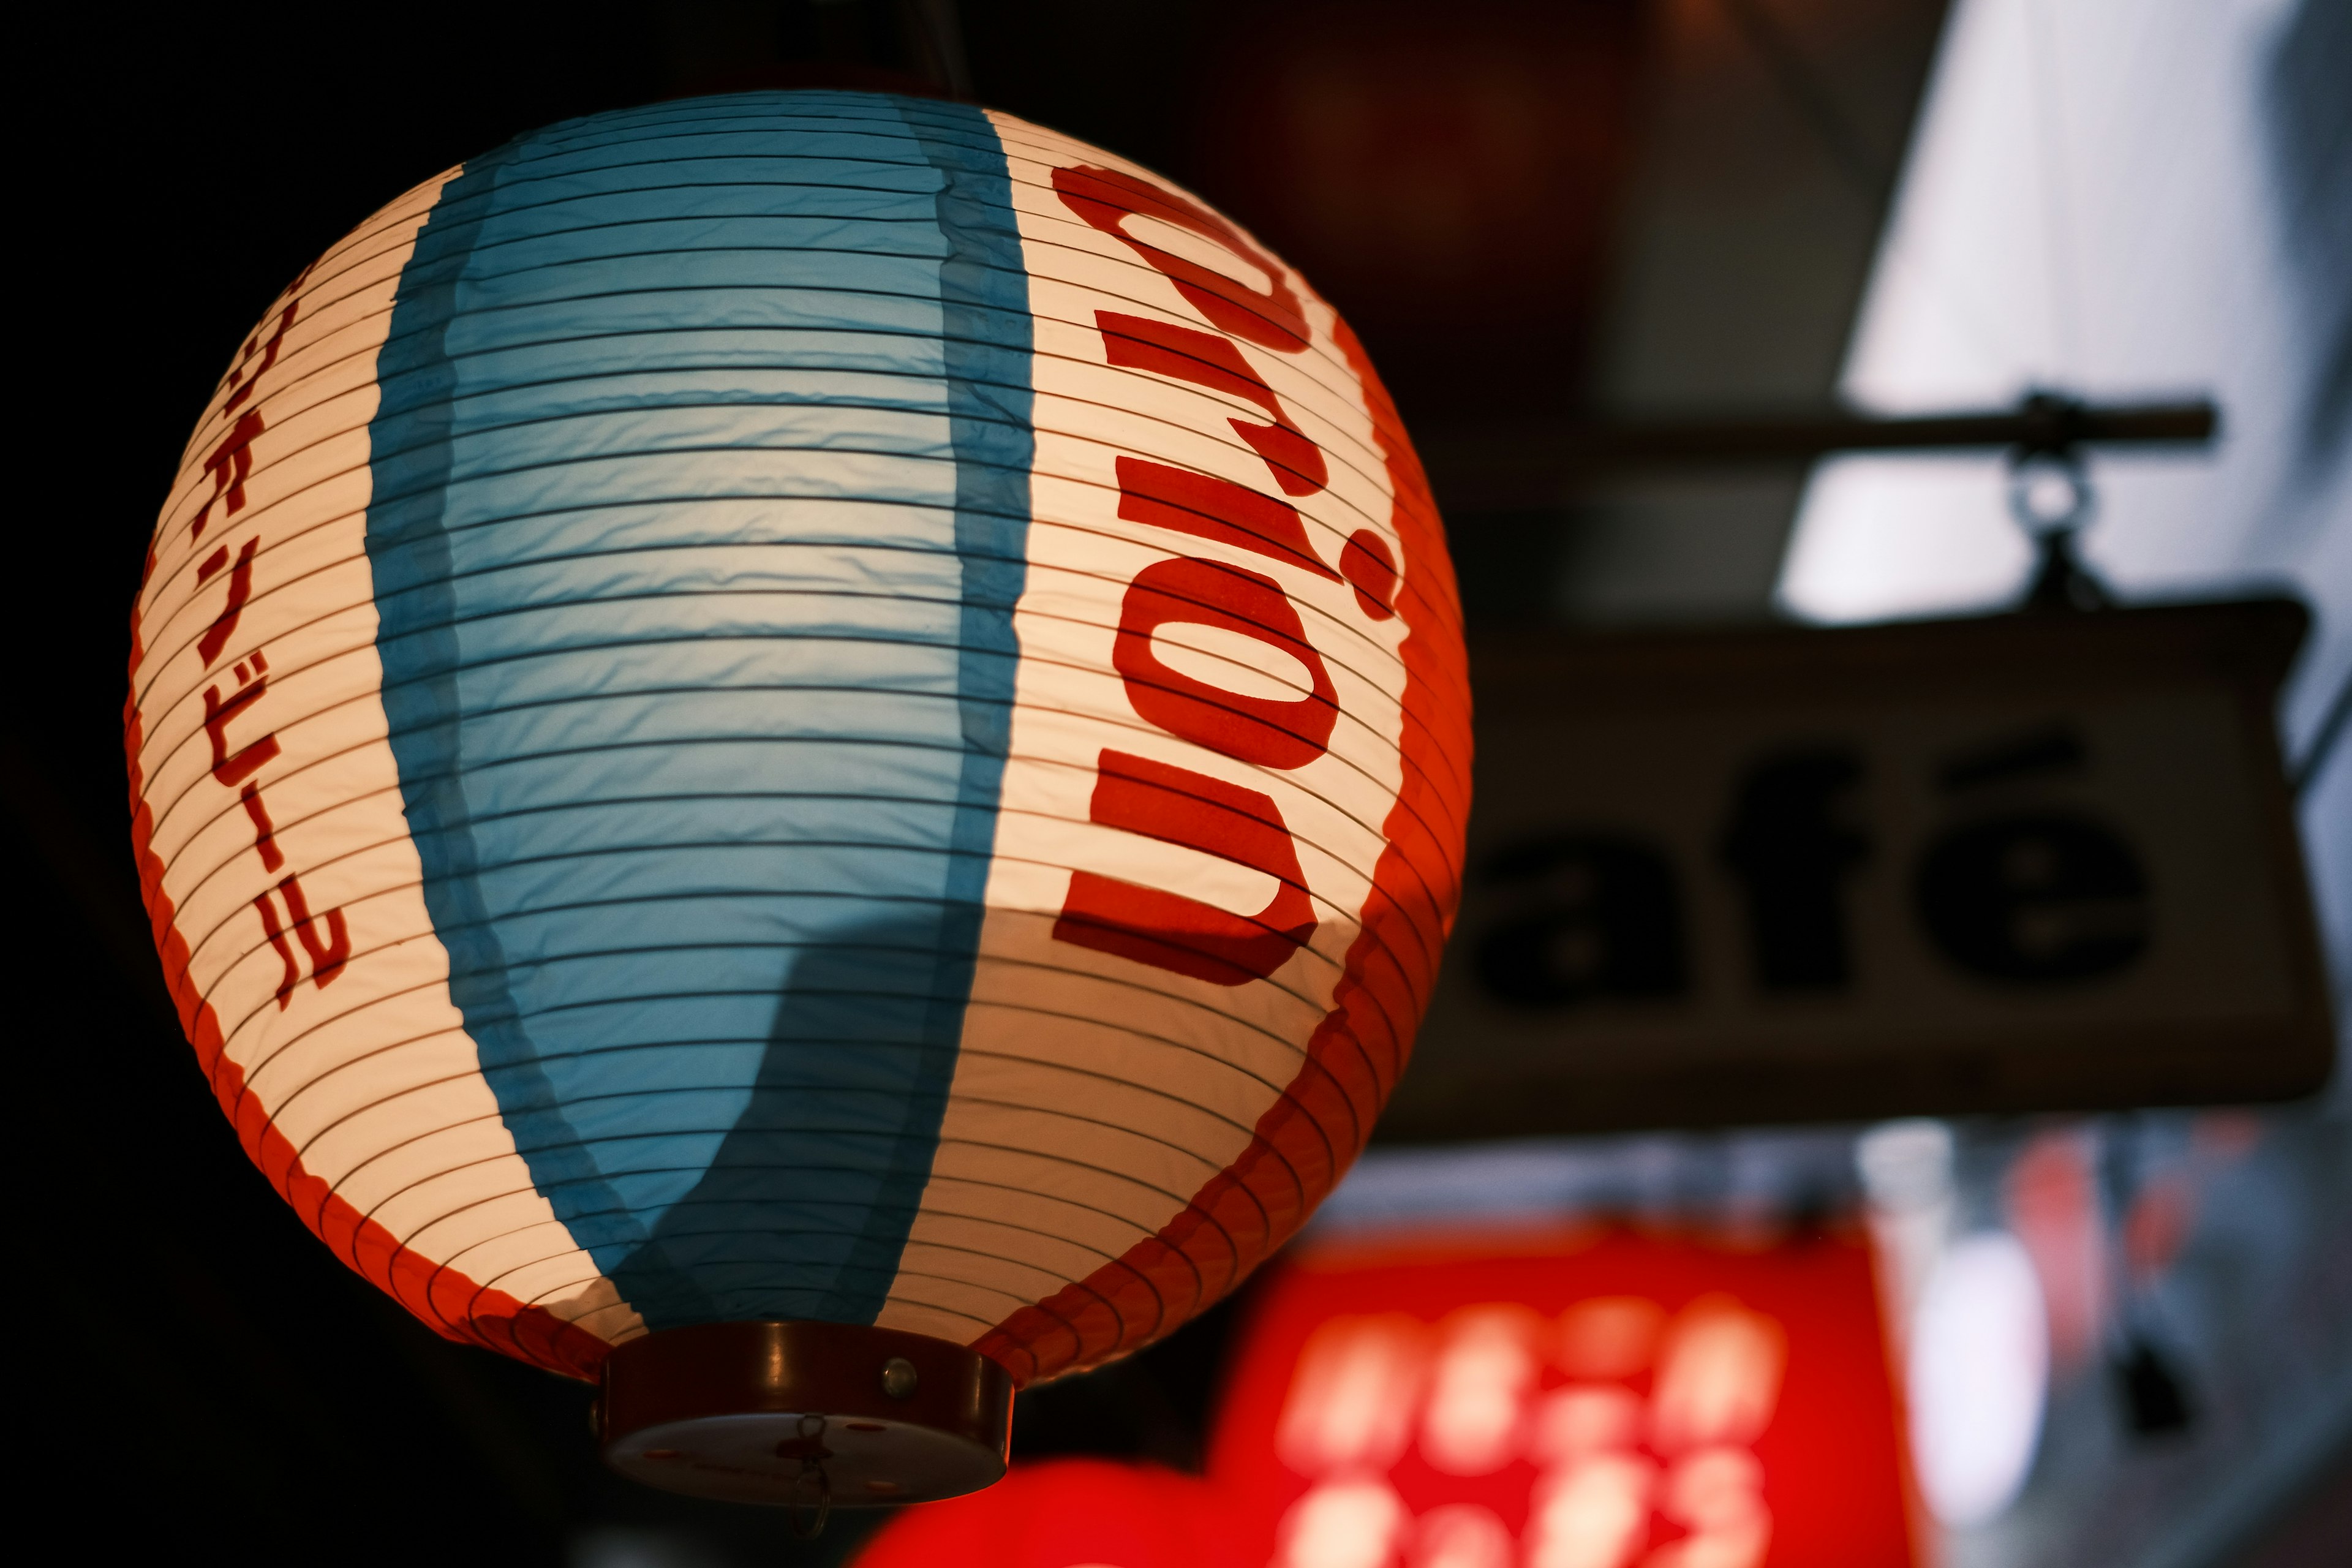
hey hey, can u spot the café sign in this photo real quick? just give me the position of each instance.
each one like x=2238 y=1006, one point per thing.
x=2011 y=863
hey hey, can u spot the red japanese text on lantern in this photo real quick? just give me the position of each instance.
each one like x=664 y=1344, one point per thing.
x=230 y=461
x=237 y=729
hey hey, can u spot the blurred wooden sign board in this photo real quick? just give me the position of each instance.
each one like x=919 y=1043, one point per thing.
x=2016 y=863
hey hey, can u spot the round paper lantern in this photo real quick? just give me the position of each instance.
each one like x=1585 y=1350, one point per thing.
x=805 y=751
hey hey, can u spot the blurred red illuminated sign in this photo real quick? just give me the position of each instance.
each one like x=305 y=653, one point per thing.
x=1568 y=1400
x=1066 y=1512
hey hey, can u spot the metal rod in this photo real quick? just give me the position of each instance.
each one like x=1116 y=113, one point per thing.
x=2045 y=428
x=1495 y=468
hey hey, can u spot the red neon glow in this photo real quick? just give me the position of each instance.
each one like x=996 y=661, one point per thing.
x=1568 y=1400
x=1065 y=1513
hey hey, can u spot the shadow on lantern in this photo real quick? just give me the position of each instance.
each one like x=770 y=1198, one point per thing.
x=820 y=1178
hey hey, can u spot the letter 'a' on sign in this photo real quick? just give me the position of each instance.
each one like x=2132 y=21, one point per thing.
x=2014 y=863
x=787 y=759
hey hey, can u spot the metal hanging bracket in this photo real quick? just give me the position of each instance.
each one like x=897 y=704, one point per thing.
x=2052 y=498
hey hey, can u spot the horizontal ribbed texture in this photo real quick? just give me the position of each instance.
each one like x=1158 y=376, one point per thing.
x=805 y=705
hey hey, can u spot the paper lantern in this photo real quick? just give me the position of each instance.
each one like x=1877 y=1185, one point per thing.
x=823 y=730
x=1064 y=1514
x=1556 y=1397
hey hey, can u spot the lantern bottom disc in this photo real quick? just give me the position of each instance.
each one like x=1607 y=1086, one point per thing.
x=803 y=1414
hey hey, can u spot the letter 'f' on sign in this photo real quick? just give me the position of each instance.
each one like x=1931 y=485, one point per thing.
x=1787 y=845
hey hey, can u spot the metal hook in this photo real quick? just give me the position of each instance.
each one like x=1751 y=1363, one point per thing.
x=2061 y=581
x=2029 y=475
x=812 y=1466
x=810 y=1447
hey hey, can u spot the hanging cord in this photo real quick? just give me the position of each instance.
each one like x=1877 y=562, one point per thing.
x=2041 y=63
x=2143 y=1360
x=1873 y=177
x=2307 y=767
x=2050 y=496
x=938 y=39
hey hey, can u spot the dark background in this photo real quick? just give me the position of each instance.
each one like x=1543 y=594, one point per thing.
x=204 y=1377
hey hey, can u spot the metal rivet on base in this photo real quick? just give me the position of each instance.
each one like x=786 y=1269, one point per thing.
x=899 y=1377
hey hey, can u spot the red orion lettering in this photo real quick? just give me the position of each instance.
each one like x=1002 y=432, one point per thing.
x=1371 y=570
x=1177 y=806
x=1270 y=318
x=1184 y=502
x=1169 y=931
x=1204 y=359
x=1270 y=731
x=1160 y=800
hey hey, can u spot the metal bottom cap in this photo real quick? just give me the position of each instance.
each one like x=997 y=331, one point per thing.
x=807 y=1415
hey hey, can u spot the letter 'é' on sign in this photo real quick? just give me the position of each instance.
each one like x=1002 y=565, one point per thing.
x=2038 y=896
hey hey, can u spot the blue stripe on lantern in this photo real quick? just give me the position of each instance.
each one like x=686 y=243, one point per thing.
x=700 y=501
